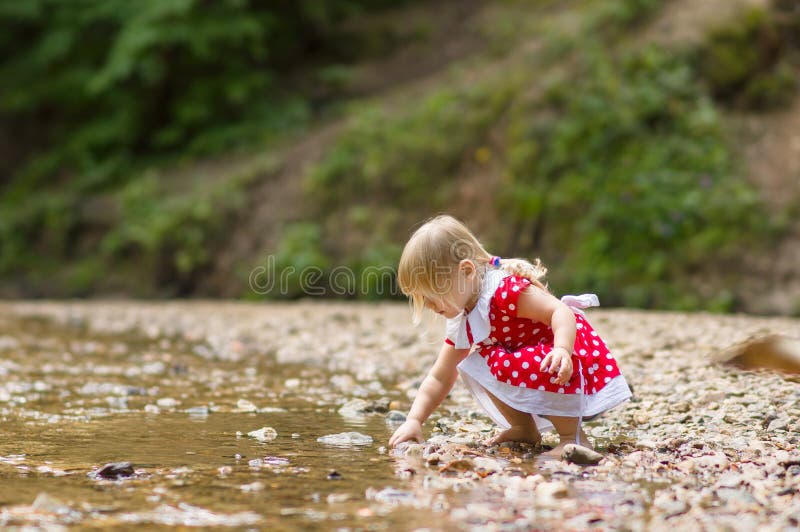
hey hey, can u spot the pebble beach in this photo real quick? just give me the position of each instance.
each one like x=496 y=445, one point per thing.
x=701 y=446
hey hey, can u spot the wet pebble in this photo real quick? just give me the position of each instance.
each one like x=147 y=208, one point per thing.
x=346 y=439
x=243 y=405
x=113 y=471
x=392 y=496
x=264 y=434
x=167 y=402
x=578 y=454
x=395 y=416
x=197 y=411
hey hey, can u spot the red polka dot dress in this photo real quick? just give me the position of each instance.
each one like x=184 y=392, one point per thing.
x=509 y=350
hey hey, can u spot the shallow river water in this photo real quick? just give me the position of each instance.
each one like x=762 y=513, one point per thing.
x=175 y=391
x=74 y=401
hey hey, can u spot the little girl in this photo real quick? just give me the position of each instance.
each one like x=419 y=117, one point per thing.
x=537 y=364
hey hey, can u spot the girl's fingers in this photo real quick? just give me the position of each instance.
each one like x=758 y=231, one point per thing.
x=545 y=363
x=554 y=364
x=564 y=372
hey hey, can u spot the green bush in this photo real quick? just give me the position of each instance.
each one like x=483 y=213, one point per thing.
x=97 y=86
x=393 y=155
x=393 y=165
x=301 y=264
x=624 y=174
x=747 y=62
x=171 y=235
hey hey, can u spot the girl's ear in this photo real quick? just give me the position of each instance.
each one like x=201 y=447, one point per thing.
x=467 y=267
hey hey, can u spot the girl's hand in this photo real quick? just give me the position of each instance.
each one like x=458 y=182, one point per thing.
x=410 y=430
x=560 y=360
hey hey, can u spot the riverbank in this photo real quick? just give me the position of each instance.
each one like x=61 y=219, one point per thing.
x=702 y=445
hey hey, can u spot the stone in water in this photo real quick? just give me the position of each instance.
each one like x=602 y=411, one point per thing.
x=346 y=439
x=264 y=434
x=578 y=454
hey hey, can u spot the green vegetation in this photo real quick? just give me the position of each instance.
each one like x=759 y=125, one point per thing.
x=96 y=95
x=623 y=172
x=751 y=61
x=609 y=160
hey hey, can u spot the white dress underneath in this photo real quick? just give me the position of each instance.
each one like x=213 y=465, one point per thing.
x=478 y=379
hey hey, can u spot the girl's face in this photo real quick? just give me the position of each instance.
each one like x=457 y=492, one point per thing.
x=461 y=293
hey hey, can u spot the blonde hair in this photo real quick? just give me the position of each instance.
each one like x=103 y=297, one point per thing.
x=432 y=254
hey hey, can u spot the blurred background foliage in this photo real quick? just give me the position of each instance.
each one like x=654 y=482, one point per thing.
x=167 y=147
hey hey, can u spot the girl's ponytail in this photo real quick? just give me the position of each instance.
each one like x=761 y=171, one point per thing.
x=534 y=272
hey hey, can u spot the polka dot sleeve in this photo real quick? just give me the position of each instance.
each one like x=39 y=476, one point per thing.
x=507 y=294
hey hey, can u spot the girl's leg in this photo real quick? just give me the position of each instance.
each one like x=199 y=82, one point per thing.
x=522 y=428
x=567 y=428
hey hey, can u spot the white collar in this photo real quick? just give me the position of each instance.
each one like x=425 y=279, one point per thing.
x=478 y=317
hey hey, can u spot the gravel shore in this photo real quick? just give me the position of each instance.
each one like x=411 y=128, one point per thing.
x=702 y=446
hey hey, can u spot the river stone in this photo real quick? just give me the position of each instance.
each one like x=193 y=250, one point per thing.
x=548 y=492
x=243 y=405
x=354 y=408
x=167 y=402
x=715 y=460
x=113 y=471
x=578 y=454
x=264 y=434
x=778 y=424
x=395 y=416
x=346 y=439
x=391 y=496
x=197 y=411
x=670 y=505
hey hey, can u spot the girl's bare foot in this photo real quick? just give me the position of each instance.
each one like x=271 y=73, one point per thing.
x=521 y=433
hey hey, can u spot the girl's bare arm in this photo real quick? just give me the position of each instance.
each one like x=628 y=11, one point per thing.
x=437 y=383
x=434 y=388
x=538 y=305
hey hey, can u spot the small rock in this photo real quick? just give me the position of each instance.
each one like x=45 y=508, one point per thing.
x=680 y=407
x=408 y=448
x=391 y=496
x=346 y=439
x=715 y=460
x=167 y=402
x=197 y=411
x=670 y=505
x=264 y=434
x=395 y=416
x=457 y=466
x=738 y=499
x=338 y=498
x=113 y=471
x=548 y=492
x=253 y=486
x=154 y=368
x=152 y=409
x=354 y=408
x=578 y=454
x=243 y=405
x=45 y=502
x=778 y=424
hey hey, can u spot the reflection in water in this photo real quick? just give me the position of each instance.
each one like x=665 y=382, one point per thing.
x=194 y=431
